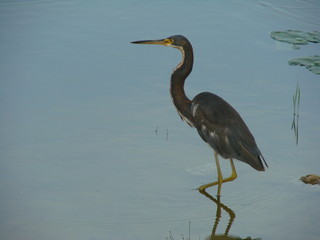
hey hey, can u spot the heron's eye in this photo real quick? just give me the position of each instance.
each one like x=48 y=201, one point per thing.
x=168 y=41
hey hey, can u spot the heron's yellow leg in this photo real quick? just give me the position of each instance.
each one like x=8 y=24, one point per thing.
x=220 y=177
x=233 y=173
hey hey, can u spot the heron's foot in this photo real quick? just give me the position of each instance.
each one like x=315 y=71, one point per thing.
x=203 y=188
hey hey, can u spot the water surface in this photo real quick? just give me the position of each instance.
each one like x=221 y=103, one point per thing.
x=92 y=147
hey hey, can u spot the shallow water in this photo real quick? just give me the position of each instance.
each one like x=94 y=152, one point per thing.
x=92 y=147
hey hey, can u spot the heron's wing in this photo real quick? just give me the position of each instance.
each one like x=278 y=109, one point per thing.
x=220 y=125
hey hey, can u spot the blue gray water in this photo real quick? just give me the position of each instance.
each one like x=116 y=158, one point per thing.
x=91 y=146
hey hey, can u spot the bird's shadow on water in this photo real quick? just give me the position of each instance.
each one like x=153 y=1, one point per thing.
x=219 y=208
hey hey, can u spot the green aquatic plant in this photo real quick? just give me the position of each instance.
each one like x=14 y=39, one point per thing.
x=312 y=63
x=182 y=236
x=295 y=121
x=297 y=38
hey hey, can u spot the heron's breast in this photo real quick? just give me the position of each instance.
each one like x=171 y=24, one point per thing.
x=186 y=119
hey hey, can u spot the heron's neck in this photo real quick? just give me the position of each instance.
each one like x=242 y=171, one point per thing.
x=178 y=77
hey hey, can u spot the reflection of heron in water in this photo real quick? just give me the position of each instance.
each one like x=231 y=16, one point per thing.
x=217 y=122
x=232 y=215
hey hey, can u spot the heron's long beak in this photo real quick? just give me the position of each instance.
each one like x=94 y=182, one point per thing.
x=164 y=42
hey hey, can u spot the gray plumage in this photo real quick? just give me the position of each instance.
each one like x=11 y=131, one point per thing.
x=220 y=125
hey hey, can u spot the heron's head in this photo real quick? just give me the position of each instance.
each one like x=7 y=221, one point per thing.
x=176 y=41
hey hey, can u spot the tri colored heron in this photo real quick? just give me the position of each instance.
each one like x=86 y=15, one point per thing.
x=217 y=122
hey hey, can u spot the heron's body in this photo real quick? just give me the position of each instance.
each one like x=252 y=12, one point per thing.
x=217 y=122
x=229 y=137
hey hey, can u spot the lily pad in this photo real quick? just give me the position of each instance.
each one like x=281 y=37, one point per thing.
x=312 y=63
x=296 y=37
x=314 y=37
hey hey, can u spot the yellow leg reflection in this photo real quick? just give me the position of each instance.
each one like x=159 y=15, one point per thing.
x=219 y=212
x=231 y=214
x=220 y=176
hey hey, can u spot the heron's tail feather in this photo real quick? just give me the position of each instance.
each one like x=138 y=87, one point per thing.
x=253 y=157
